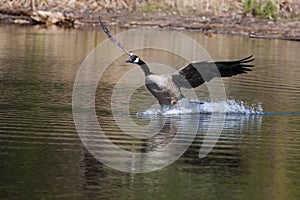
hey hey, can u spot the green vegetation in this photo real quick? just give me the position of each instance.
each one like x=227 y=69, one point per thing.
x=266 y=8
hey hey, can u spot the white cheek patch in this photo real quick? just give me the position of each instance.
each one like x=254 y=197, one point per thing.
x=136 y=60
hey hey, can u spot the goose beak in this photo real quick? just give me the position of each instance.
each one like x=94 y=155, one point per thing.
x=130 y=59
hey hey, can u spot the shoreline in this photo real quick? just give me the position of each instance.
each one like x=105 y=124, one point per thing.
x=237 y=24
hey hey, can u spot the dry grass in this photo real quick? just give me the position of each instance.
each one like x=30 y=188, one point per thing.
x=203 y=7
x=186 y=7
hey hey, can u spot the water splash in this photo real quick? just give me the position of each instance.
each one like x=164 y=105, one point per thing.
x=187 y=106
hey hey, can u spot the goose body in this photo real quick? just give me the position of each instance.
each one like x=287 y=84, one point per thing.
x=163 y=88
x=166 y=87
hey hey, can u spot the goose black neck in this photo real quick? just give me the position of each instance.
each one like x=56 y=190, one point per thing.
x=144 y=67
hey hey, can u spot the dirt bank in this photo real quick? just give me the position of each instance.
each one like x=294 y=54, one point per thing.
x=231 y=19
x=243 y=25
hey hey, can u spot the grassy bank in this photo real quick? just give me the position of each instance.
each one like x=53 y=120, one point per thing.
x=258 y=8
x=272 y=9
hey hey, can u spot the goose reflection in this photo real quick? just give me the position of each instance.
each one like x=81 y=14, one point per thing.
x=177 y=135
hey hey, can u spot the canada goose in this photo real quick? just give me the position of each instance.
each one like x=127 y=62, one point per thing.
x=166 y=87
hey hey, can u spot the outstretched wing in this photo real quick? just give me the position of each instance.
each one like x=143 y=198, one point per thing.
x=195 y=74
x=116 y=42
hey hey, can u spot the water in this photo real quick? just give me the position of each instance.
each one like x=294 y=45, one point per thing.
x=255 y=156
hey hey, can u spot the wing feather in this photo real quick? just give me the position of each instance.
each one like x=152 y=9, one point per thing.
x=195 y=74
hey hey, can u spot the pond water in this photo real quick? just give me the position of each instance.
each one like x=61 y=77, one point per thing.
x=249 y=151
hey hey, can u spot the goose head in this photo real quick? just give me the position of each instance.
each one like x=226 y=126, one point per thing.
x=136 y=60
x=133 y=59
